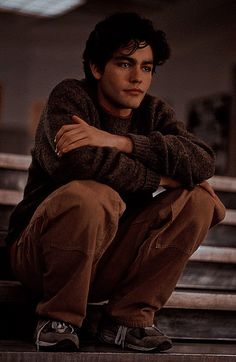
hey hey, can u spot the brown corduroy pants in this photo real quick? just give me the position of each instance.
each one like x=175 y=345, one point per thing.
x=78 y=249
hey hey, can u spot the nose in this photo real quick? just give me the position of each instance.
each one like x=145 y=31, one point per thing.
x=135 y=75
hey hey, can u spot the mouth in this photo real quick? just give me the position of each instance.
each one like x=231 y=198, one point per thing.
x=134 y=91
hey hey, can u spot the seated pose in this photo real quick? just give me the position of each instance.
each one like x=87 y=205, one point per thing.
x=91 y=226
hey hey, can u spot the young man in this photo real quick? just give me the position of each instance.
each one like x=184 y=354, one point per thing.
x=89 y=229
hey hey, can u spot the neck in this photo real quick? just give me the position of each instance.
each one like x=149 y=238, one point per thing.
x=117 y=113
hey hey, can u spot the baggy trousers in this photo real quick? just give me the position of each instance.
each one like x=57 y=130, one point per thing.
x=78 y=249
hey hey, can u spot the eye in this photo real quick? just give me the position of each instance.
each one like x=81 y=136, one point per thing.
x=124 y=65
x=147 y=69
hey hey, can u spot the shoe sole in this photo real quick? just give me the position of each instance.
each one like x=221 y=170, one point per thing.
x=159 y=348
x=62 y=346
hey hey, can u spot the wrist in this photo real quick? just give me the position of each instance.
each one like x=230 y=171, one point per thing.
x=123 y=144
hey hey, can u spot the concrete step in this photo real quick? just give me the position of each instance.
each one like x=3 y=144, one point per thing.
x=215 y=254
x=208 y=276
x=194 y=314
x=198 y=324
x=209 y=300
x=222 y=236
x=18 y=351
x=185 y=298
x=14 y=161
x=10 y=197
x=223 y=183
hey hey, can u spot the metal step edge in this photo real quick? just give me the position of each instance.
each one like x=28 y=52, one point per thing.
x=223 y=183
x=114 y=356
x=214 y=254
x=196 y=300
x=230 y=217
x=14 y=161
x=202 y=287
x=10 y=197
x=13 y=292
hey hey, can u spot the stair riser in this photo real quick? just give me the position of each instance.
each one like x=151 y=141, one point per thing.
x=228 y=199
x=198 y=324
x=207 y=275
x=18 y=322
x=221 y=235
x=13 y=179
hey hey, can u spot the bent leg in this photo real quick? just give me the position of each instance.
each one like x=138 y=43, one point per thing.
x=148 y=259
x=57 y=253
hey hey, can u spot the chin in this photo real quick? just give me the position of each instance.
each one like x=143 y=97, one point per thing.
x=133 y=105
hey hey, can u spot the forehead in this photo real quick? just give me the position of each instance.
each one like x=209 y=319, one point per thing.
x=141 y=54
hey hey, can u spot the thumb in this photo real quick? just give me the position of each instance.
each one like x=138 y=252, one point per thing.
x=76 y=119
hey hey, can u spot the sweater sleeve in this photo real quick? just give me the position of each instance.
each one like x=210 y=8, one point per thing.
x=170 y=150
x=102 y=164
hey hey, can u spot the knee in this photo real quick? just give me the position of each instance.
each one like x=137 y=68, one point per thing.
x=87 y=197
x=205 y=207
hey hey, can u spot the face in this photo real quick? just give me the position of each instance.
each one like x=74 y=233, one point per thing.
x=125 y=80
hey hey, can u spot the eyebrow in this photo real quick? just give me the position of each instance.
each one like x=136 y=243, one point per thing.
x=132 y=60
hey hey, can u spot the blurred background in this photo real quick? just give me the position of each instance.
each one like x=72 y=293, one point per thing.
x=39 y=50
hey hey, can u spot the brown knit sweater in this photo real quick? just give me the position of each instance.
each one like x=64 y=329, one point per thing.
x=162 y=146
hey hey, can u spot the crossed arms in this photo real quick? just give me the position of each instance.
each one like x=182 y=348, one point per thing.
x=167 y=156
x=81 y=134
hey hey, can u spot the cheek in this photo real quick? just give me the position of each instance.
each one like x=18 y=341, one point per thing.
x=148 y=81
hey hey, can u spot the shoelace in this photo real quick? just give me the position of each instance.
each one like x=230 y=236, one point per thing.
x=122 y=331
x=120 y=336
x=157 y=329
x=60 y=327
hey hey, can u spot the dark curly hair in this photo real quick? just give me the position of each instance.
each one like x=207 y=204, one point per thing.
x=122 y=30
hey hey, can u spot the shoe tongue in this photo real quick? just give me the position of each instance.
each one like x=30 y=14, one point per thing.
x=145 y=332
x=138 y=332
x=58 y=326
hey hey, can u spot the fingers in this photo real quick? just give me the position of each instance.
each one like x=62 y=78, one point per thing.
x=68 y=139
x=206 y=186
x=68 y=127
x=72 y=146
x=63 y=130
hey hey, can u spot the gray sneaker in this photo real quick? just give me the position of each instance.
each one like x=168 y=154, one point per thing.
x=56 y=336
x=139 y=339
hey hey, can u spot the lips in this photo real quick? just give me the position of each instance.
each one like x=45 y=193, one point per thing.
x=134 y=91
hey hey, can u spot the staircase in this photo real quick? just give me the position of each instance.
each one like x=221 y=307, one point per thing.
x=200 y=315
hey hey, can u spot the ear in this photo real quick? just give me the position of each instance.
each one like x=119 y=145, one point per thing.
x=95 y=71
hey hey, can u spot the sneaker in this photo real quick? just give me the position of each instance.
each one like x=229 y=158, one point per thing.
x=140 y=339
x=56 y=336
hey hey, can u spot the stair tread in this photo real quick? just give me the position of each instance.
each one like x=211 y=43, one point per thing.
x=223 y=183
x=14 y=161
x=181 y=352
x=215 y=254
x=14 y=292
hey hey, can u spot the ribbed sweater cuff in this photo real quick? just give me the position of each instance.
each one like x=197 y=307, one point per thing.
x=142 y=147
x=152 y=181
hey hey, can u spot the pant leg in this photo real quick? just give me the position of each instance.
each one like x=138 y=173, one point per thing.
x=57 y=254
x=149 y=257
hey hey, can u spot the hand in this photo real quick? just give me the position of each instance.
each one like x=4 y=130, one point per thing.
x=206 y=186
x=80 y=134
x=168 y=182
